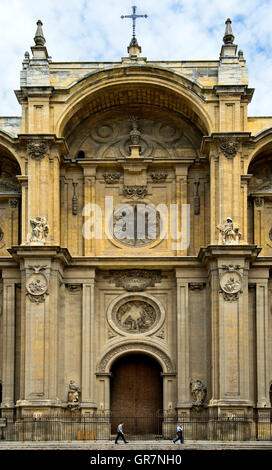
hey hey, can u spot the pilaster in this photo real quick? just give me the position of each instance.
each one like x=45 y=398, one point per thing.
x=228 y=268
x=260 y=278
x=8 y=346
x=182 y=339
x=41 y=274
x=89 y=211
x=88 y=344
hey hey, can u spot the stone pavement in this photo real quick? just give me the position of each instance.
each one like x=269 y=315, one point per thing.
x=136 y=445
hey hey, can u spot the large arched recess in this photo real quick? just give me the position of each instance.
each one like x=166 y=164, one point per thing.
x=262 y=145
x=10 y=194
x=7 y=147
x=148 y=85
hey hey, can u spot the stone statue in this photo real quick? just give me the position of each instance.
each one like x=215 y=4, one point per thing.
x=198 y=391
x=135 y=134
x=73 y=394
x=229 y=233
x=40 y=230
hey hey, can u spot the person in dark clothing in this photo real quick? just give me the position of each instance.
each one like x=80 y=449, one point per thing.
x=120 y=433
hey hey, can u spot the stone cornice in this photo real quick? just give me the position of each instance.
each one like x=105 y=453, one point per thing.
x=46 y=251
x=234 y=251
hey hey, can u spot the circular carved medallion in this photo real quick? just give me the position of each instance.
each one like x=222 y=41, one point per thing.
x=37 y=284
x=136 y=314
x=230 y=282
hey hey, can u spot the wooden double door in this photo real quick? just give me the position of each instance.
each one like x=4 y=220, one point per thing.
x=136 y=394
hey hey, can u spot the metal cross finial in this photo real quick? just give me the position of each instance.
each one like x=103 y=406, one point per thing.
x=134 y=16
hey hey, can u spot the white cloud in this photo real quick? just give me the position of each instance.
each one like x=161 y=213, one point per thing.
x=92 y=30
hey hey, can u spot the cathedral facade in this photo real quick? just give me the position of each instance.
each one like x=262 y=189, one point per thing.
x=136 y=239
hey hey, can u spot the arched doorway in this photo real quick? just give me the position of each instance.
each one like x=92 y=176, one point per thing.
x=136 y=396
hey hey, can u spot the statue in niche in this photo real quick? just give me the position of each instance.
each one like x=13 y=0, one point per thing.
x=229 y=233
x=199 y=392
x=40 y=230
x=73 y=395
x=135 y=134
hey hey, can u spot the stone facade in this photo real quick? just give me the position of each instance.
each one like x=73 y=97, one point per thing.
x=94 y=142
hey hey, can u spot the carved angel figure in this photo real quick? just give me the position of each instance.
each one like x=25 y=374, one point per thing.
x=40 y=229
x=229 y=233
x=198 y=391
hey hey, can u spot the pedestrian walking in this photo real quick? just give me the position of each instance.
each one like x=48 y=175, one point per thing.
x=120 y=433
x=179 y=434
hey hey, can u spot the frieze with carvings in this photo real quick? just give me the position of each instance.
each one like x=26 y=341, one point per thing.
x=154 y=139
x=135 y=280
x=229 y=146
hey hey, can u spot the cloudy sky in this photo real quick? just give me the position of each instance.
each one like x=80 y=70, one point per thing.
x=92 y=30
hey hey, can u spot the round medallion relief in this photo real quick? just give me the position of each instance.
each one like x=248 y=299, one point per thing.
x=231 y=282
x=37 y=284
x=137 y=314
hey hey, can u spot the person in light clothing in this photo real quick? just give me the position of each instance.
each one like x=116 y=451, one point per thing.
x=179 y=434
x=120 y=433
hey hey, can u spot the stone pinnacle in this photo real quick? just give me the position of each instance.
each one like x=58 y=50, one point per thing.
x=229 y=37
x=39 y=37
